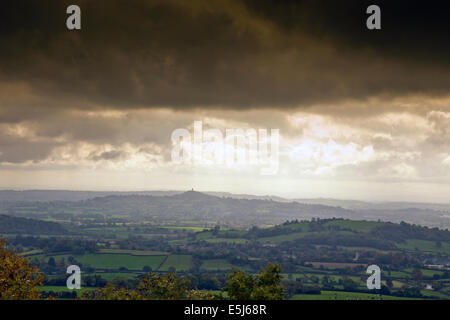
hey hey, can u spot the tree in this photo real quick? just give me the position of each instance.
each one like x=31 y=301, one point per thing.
x=18 y=280
x=240 y=285
x=349 y=284
x=147 y=269
x=384 y=290
x=389 y=283
x=326 y=282
x=417 y=275
x=152 y=287
x=172 y=269
x=51 y=262
x=264 y=286
x=168 y=287
x=110 y=292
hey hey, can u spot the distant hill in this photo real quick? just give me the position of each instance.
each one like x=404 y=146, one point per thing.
x=15 y=225
x=342 y=232
x=364 y=205
x=68 y=195
x=188 y=206
x=214 y=207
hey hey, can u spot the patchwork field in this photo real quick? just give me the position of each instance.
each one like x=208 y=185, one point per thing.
x=335 y=265
x=134 y=252
x=339 y=295
x=117 y=275
x=57 y=289
x=424 y=245
x=318 y=255
x=114 y=261
x=179 y=262
x=216 y=264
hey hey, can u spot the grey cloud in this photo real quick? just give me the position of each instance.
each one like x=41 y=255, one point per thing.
x=246 y=62
x=214 y=54
x=108 y=155
x=16 y=150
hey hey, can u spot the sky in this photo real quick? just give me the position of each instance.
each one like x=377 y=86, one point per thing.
x=362 y=114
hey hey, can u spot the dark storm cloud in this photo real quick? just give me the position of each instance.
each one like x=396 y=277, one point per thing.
x=411 y=30
x=228 y=54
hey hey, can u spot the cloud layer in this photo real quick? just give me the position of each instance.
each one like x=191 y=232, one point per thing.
x=351 y=104
x=221 y=54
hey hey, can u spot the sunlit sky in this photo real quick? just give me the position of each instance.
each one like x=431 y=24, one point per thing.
x=360 y=115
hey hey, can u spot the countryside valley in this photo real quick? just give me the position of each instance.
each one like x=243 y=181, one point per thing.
x=322 y=246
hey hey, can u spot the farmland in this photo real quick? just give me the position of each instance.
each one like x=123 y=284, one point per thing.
x=132 y=261
x=339 y=295
x=320 y=258
x=177 y=262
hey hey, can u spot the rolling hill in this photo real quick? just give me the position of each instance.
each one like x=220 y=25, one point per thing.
x=15 y=225
x=195 y=208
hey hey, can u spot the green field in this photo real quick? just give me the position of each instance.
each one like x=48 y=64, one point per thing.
x=116 y=275
x=196 y=229
x=434 y=294
x=427 y=272
x=296 y=235
x=227 y=240
x=134 y=252
x=216 y=264
x=31 y=253
x=57 y=289
x=340 y=295
x=115 y=261
x=361 y=226
x=425 y=245
x=396 y=274
x=180 y=262
x=204 y=235
x=284 y=237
